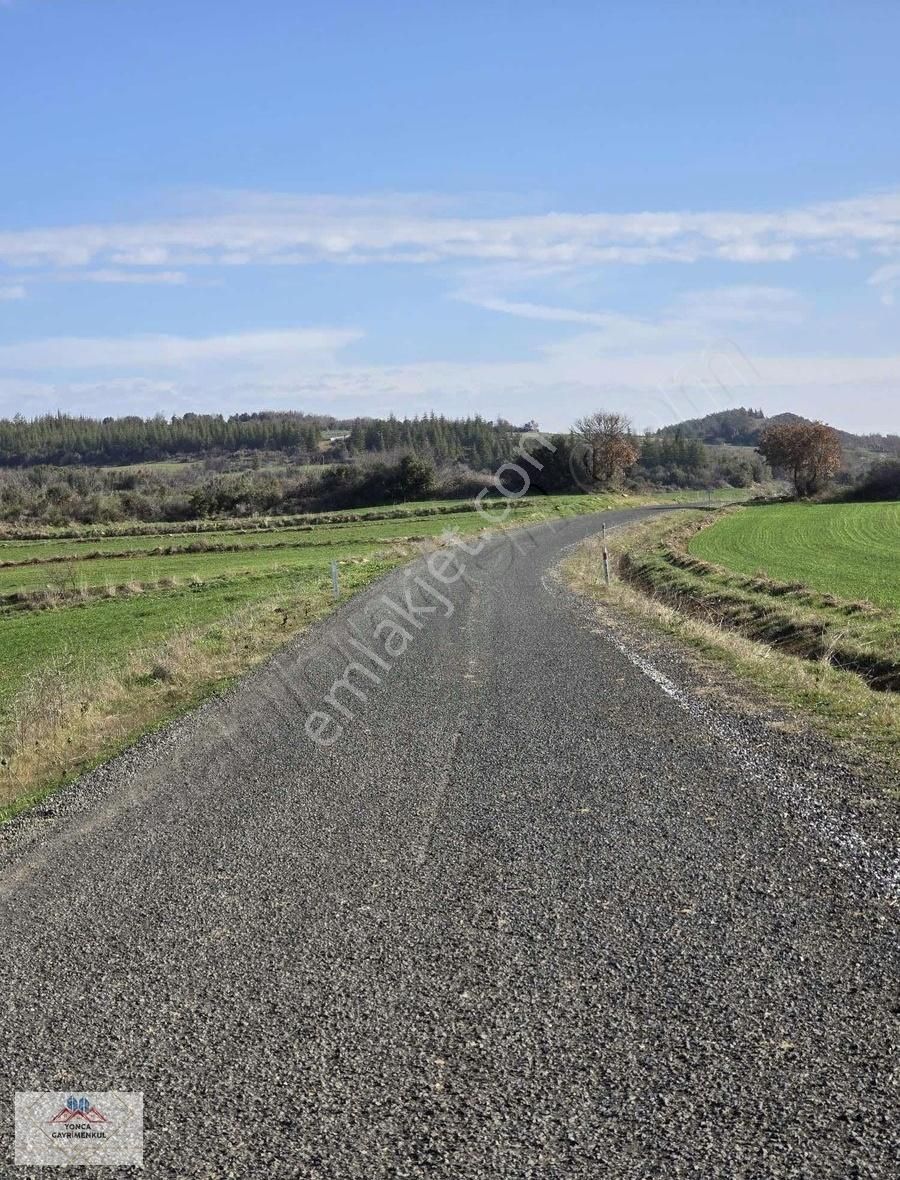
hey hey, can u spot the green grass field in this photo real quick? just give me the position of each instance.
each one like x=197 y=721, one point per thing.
x=102 y=633
x=849 y=550
x=270 y=551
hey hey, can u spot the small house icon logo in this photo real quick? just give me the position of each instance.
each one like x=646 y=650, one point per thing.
x=78 y=1109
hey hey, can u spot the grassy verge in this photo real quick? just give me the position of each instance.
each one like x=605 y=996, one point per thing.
x=71 y=712
x=814 y=653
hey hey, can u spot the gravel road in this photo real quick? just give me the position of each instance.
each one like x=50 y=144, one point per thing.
x=541 y=908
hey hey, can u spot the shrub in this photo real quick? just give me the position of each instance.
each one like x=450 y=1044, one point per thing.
x=881 y=482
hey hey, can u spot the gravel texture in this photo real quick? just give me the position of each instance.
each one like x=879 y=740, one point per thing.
x=542 y=910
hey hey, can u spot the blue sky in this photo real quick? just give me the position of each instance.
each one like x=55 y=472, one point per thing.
x=526 y=209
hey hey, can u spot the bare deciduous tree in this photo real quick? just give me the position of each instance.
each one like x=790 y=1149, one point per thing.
x=612 y=445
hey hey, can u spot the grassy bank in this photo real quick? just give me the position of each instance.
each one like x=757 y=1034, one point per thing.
x=832 y=660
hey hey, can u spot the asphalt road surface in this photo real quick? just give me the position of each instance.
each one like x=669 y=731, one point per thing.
x=540 y=909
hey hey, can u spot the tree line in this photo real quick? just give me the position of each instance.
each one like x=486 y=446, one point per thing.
x=66 y=440
x=380 y=461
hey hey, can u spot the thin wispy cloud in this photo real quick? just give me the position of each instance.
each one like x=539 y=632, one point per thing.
x=540 y=311
x=742 y=305
x=887 y=279
x=151 y=353
x=694 y=317
x=165 y=278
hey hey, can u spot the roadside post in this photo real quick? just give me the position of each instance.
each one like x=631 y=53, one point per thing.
x=606 y=564
x=335 y=584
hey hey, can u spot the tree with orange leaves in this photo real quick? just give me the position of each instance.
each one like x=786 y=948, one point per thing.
x=810 y=453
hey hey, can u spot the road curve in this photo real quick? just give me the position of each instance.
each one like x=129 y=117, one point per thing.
x=529 y=914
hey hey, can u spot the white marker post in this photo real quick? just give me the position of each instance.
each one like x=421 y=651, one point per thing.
x=606 y=564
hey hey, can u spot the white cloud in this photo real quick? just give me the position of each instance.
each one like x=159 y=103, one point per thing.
x=888 y=279
x=167 y=278
x=267 y=229
x=525 y=265
x=695 y=316
x=743 y=305
x=162 y=352
x=540 y=311
x=12 y=292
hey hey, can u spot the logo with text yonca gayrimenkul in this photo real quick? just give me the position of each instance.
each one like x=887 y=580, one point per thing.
x=59 y=1128
x=79 y=1110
